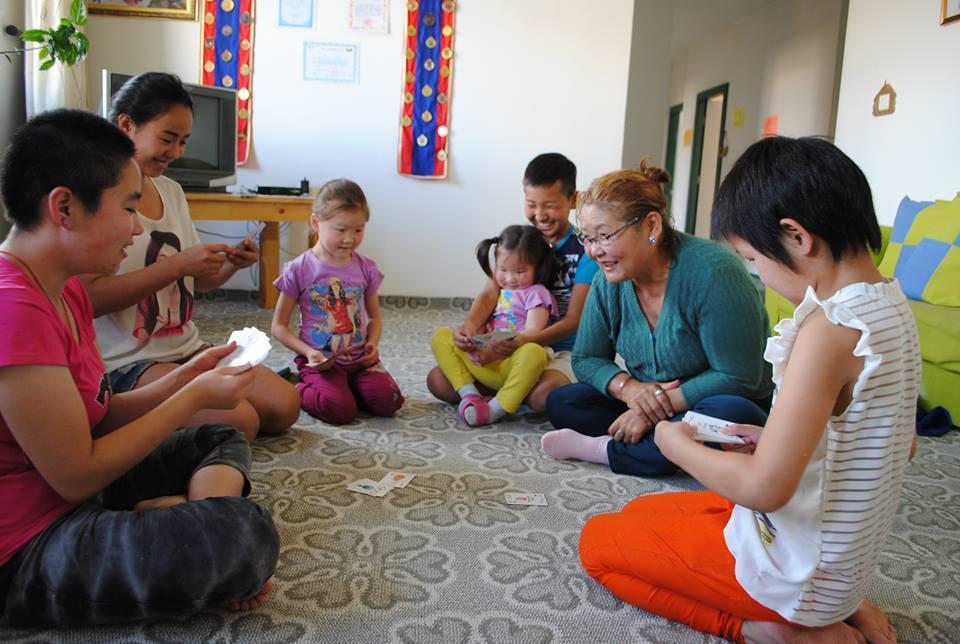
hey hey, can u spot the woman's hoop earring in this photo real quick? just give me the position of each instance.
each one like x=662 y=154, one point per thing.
x=653 y=240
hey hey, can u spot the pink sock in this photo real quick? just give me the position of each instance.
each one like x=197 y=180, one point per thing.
x=567 y=443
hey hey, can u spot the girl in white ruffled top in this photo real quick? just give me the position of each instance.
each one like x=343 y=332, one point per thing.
x=785 y=542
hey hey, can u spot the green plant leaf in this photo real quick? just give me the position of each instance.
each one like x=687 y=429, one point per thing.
x=33 y=35
x=78 y=12
x=44 y=52
x=47 y=65
x=83 y=44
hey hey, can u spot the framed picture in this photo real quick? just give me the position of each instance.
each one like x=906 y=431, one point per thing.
x=183 y=9
x=296 y=13
x=949 y=11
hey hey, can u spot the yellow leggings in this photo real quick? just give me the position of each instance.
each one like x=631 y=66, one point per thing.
x=512 y=378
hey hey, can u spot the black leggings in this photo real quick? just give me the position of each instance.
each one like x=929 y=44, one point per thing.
x=103 y=562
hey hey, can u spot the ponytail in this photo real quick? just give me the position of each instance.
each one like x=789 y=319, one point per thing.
x=483 y=253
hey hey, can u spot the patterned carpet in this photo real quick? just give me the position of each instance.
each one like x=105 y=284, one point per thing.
x=445 y=560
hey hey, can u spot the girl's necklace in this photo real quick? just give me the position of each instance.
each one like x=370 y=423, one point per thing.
x=60 y=306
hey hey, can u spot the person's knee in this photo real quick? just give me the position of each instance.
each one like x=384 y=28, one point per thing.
x=247 y=531
x=329 y=405
x=281 y=408
x=440 y=387
x=244 y=418
x=560 y=400
x=442 y=337
x=594 y=538
x=531 y=355
x=384 y=399
x=548 y=383
x=735 y=409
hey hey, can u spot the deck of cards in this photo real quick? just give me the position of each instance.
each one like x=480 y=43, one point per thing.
x=708 y=429
x=391 y=481
x=253 y=347
x=336 y=354
x=484 y=340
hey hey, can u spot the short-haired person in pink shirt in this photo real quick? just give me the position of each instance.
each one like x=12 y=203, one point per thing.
x=107 y=512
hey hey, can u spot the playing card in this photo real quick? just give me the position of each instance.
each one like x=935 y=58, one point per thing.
x=252 y=234
x=253 y=347
x=486 y=339
x=708 y=428
x=368 y=487
x=524 y=498
x=335 y=354
x=397 y=479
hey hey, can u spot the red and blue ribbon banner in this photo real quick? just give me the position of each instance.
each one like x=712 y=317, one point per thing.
x=428 y=76
x=227 y=58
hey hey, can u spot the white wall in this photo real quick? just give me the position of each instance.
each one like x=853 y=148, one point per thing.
x=780 y=58
x=645 y=128
x=916 y=150
x=530 y=77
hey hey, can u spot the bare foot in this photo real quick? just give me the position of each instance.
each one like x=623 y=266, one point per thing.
x=873 y=623
x=253 y=602
x=773 y=633
x=160 y=502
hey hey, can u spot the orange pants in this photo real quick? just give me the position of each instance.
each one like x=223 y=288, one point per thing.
x=666 y=554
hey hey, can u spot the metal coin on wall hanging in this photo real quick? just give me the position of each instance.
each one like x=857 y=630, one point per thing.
x=427 y=81
x=227 y=58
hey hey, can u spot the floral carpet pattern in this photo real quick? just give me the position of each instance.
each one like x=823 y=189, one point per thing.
x=446 y=560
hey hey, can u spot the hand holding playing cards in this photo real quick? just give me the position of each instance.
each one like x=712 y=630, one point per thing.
x=484 y=356
x=371 y=355
x=505 y=347
x=244 y=254
x=223 y=387
x=318 y=360
x=462 y=335
x=749 y=433
x=204 y=361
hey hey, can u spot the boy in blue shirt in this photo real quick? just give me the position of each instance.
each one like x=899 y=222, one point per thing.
x=550 y=193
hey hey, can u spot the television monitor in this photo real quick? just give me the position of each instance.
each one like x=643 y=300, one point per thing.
x=210 y=159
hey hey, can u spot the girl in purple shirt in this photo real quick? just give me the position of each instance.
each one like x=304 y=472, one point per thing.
x=340 y=324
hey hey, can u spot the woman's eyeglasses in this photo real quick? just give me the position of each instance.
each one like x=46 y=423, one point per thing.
x=605 y=239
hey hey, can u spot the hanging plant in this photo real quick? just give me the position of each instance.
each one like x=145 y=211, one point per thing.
x=65 y=43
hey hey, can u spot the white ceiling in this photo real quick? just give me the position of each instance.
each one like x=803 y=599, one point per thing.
x=692 y=19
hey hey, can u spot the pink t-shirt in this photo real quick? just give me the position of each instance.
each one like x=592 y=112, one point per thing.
x=514 y=304
x=31 y=333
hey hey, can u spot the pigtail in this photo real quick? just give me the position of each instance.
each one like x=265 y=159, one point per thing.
x=548 y=268
x=483 y=254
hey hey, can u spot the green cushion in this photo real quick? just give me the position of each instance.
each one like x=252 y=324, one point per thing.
x=939 y=329
x=924 y=252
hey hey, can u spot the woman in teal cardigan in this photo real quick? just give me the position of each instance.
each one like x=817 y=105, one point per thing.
x=683 y=314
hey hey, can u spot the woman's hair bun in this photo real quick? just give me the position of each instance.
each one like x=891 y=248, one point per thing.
x=654 y=174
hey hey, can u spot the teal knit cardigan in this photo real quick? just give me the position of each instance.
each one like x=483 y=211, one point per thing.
x=711 y=332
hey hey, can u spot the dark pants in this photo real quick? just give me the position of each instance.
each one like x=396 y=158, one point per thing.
x=584 y=409
x=102 y=562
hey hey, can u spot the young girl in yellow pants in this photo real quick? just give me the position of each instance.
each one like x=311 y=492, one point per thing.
x=523 y=267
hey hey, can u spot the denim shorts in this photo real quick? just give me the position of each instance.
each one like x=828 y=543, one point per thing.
x=125 y=378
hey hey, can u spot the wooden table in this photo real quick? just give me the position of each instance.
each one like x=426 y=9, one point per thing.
x=268 y=209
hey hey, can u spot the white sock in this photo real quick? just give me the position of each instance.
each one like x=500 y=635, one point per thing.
x=567 y=443
x=466 y=390
x=496 y=411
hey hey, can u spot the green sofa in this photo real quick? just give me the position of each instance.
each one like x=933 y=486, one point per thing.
x=939 y=328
